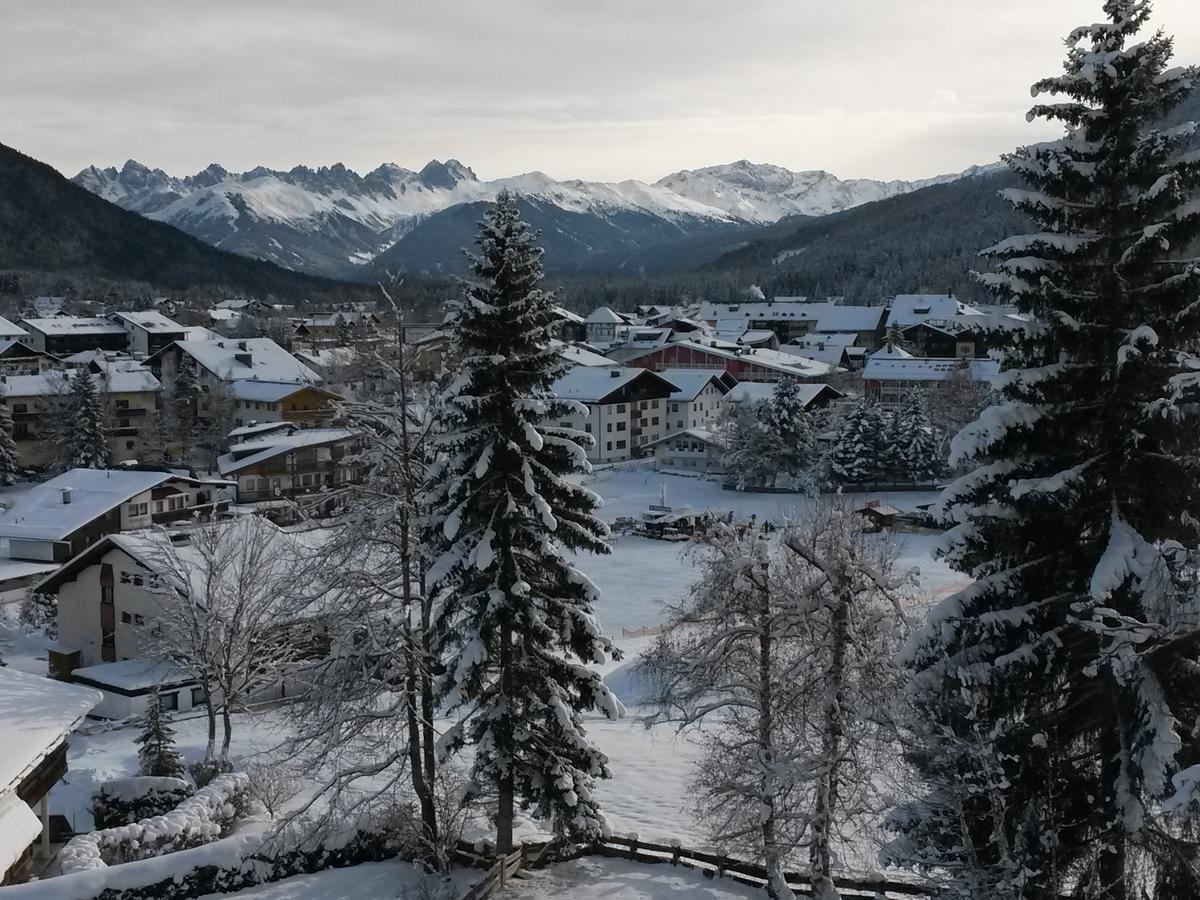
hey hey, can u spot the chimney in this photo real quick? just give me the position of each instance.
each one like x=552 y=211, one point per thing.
x=66 y=496
x=245 y=359
x=241 y=345
x=615 y=373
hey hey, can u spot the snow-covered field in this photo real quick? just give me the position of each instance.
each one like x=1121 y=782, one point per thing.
x=648 y=794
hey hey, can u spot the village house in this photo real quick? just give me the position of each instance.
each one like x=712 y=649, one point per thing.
x=905 y=310
x=275 y=467
x=59 y=518
x=228 y=360
x=699 y=398
x=604 y=326
x=690 y=450
x=17 y=358
x=812 y=396
x=743 y=363
x=795 y=317
x=333 y=327
x=273 y=401
x=148 y=331
x=64 y=335
x=841 y=350
x=39 y=716
x=10 y=331
x=38 y=403
x=892 y=374
x=627 y=409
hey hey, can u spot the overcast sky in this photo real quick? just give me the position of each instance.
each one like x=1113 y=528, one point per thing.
x=603 y=89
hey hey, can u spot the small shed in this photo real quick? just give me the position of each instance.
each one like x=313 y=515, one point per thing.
x=879 y=515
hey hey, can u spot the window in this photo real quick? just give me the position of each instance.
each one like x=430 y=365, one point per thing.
x=587 y=427
x=168 y=701
x=608 y=427
x=122 y=404
x=158 y=506
x=620 y=445
x=197 y=696
x=654 y=421
x=620 y=426
x=126 y=619
x=129 y=445
x=139 y=619
x=674 y=407
x=654 y=404
x=20 y=407
x=609 y=447
x=106 y=594
x=620 y=407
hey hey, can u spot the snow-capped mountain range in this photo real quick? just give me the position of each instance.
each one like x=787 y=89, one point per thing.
x=332 y=221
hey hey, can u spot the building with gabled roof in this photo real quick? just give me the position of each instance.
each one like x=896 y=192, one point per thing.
x=911 y=309
x=890 y=378
x=56 y=519
x=39 y=715
x=277 y=467
x=743 y=363
x=690 y=450
x=64 y=335
x=148 y=330
x=699 y=397
x=624 y=409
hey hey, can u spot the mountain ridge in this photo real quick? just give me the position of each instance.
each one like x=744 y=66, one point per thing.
x=332 y=221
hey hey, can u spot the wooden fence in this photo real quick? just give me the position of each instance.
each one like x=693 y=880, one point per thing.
x=711 y=865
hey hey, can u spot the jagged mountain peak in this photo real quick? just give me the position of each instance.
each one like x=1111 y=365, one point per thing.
x=437 y=174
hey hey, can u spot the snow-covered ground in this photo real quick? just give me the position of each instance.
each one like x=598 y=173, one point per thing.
x=642 y=574
x=648 y=794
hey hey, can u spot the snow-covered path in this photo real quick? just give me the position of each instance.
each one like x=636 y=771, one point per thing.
x=597 y=878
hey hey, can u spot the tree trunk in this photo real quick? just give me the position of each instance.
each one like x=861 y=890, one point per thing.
x=777 y=886
x=832 y=733
x=1110 y=861
x=227 y=737
x=211 y=748
x=504 y=749
x=415 y=761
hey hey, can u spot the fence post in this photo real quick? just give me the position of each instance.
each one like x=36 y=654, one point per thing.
x=633 y=848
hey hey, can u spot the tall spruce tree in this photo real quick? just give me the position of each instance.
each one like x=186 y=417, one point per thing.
x=515 y=614
x=9 y=462
x=87 y=441
x=1059 y=695
x=792 y=444
x=156 y=744
x=918 y=440
x=855 y=458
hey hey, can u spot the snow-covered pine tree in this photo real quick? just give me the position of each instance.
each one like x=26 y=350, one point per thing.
x=855 y=458
x=747 y=447
x=892 y=462
x=87 y=442
x=919 y=440
x=792 y=444
x=156 y=744
x=1067 y=675
x=9 y=463
x=517 y=615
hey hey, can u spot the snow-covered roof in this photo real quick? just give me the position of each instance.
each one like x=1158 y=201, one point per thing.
x=40 y=514
x=602 y=315
x=783 y=363
x=327 y=356
x=19 y=827
x=83 y=357
x=133 y=674
x=830 y=354
x=581 y=356
x=891 y=351
x=827 y=316
x=251 y=453
x=566 y=315
x=911 y=309
x=15 y=569
x=38 y=714
x=148 y=320
x=330 y=319
x=199 y=333
x=592 y=384
x=268 y=391
x=700 y=434
x=753 y=391
x=268 y=361
x=880 y=368
x=223 y=315
x=10 y=330
x=259 y=428
x=60 y=325
x=690 y=382
x=113 y=380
